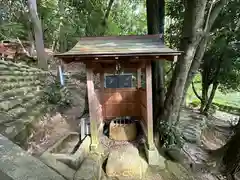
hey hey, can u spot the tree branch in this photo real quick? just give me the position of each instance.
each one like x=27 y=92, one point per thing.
x=107 y=12
x=210 y=99
x=171 y=68
x=195 y=92
x=213 y=13
x=208 y=16
x=28 y=54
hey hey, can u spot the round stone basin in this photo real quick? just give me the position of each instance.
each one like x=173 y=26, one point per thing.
x=123 y=129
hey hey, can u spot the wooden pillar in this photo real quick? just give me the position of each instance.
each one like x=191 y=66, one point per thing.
x=139 y=73
x=102 y=93
x=92 y=109
x=149 y=105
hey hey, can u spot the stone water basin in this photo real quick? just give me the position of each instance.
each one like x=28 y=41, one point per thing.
x=69 y=150
x=66 y=145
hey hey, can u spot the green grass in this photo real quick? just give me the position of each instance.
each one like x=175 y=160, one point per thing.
x=230 y=99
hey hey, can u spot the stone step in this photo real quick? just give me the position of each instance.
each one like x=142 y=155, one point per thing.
x=22 y=91
x=18 y=130
x=8 y=65
x=18 y=164
x=26 y=106
x=17 y=78
x=11 y=85
x=9 y=104
x=22 y=73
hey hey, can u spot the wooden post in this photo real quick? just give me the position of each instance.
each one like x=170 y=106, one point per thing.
x=139 y=73
x=92 y=109
x=102 y=93
x=149 y=105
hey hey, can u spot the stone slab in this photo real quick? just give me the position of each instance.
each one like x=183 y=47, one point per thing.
x=126 y=163
x=19 y=165
x=91 y=168
x=73 y=160
x=178 y=171
x=58 y=166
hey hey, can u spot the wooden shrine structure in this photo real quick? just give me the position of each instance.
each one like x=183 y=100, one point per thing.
x=131 y=54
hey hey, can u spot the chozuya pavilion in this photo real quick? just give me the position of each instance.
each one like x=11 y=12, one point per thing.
x=134 y=54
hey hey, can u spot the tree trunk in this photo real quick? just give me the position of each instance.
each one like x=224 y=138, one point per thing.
x=191 y=36
x=155 y=22
x=195 y=64
x=38 y=34
x=160 y=86
x=153 y=19
x=212 y=16
x=195 y=92
x=62 y=45
x=231 y=155
x=107 y=13
x=204 y=99
x=210 y=100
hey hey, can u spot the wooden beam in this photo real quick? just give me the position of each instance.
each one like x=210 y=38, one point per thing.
x=149 y=105
x=92 y=109
x=111 y=58
x=111 y=67
x=139 y=82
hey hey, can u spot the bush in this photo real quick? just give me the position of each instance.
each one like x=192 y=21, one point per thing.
x=195 y=104
x=57 y=95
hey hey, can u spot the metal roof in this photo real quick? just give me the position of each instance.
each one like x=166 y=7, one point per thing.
x=119 y=46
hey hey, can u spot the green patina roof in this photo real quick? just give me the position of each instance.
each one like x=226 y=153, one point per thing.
x=119 y=46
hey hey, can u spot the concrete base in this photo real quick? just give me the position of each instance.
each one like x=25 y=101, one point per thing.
x=154 y=158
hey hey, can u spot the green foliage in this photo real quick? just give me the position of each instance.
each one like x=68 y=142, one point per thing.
x=195 y=103
x=128 y=17
x=57 y=95
x=174 y=22
x=170 y=135
x=221 y=60
x=12 y=20
x=63 y=22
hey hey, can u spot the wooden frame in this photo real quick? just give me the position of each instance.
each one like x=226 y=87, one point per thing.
x=121 y=102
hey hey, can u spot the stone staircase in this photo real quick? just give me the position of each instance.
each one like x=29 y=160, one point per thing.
x=22 y=100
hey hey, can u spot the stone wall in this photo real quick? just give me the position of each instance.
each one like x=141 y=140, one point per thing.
x=22 y=101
